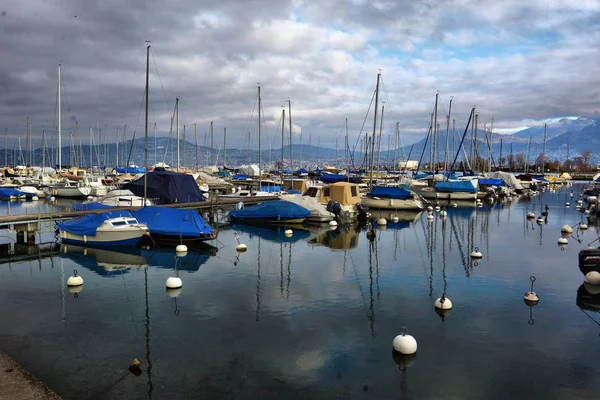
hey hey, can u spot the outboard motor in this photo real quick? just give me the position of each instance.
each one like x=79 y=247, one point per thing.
x=589 y=260
x=362 y=212
x=336 y=209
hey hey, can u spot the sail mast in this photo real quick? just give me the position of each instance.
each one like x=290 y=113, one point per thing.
x=259 y=155
x=59 y=125
x=146 y=126
x=177 y=129
x=374 y=129
x=291 y=157
x=224 y=147
x=447 y=135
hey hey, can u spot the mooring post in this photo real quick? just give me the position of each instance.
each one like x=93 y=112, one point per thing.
x=20 y=237
x=30 y=238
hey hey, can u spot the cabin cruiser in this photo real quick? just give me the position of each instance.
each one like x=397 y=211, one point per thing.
x=339 y=197
x=68 y=189
x=123 y=198
x=392 y=198
x=104 y=229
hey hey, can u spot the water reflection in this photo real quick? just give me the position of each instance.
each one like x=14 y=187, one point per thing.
x=342 y=238
x=105 y=262
x=273 y=233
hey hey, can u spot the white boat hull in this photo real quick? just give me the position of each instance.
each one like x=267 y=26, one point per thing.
x=392 y=204
x=71 y=191
x=433 y=194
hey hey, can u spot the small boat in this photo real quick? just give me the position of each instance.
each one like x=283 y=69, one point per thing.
x=242 y=194
x=7 y=193
x=276 y=212
x=31 y=191
x=123 y=198
x=392 y=198
x=345 y=195
x=174 y=226
x=69 y=190
x=112 y=228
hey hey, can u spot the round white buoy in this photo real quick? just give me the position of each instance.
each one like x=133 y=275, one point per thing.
x=531 y=297
x=563 y=240
x=540 y=220
x=288 y=232
x=579 y=201
x=381 y=221
x=52 y=198
x=587 y=212
x=578 y=207
x=181 y=248
x=443 y=303
x=174 y=292
x=75 y=289
x=437 y=208
x=405 y=344
x=241 y=248
x=530 y=215
x=583 y=227
x=566 y=229
x=476 y=253
x=75 y=280
x=443 y=213
x=35 y=198
x=592 y=277
x=333 y=223
x=174 y=282
x=395 y=219
x=429 y=208
x=454 y=205
x=567 y=204
x=430 y=217
x=90 y=197
x=571 y=194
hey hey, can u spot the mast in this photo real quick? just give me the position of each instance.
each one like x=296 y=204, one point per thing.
x=436 y=132
x=177 y=129
x=475 y=142
x=196 y=141
x=544 y=151
x=155 y=143
x=146 y=125
x=291 y=156
x=43 y=152
x=5 y=147
x=447 y=135
x=374 y=129
x=259 y=155
x=380 y=133
x=59 y=125
x=528 y=153
x=77 y=144
x=184 y=155
x=282 y=128
x=117 y=164
x=491 y=144
x=224 y=146
x=500 y=159
x=27 y=143
x=345 y=150
x=212 y=152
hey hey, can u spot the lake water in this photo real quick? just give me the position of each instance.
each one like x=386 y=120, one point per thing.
x=314 y=316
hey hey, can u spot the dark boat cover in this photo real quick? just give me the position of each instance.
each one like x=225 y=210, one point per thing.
x=173 y=222
x=385 y=192
x=333 y=178
x=456 y=186
x=168 y=187
x=491 y=181
x=87 y=224
x=7 y=192
x=279 y=210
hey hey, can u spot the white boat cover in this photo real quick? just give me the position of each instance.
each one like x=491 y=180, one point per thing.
x=508 y=178
x=317 y=210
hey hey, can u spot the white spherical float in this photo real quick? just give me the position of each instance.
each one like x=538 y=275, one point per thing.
x=454 y=205
x=430 y=217
x=540 y=220
x=531 y=297
x=443 y=303
x=333 y=223
x=181 y=250
x=563 y=241
x=587 y=212
x=530 y=215
x=288 y=232
x=476 y=253
x=437 y=208
x=429 y=208
x=240 y=248
x=592 y=277
x=443 y=213
x=571 y=194
x=174 y=282
x=395 y=219
x=35 y=198
x=404 y=344
x=382 y=221
x=567 y=204
x=52 y=198
x=583 y=226
x=75 y=280
x=566 y=229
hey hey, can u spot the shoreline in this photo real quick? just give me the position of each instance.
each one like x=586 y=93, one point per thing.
x=18 y=384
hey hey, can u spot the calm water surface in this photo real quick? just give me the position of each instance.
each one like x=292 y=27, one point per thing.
x=313 y=316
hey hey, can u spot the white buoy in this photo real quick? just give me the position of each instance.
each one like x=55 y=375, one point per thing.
x=583 y=227
x=562 y=241
x=181 y=248
x=592 y=277
x=174 y=292
x=395 y=219
x=241 y=248
x=540 y=220
x=405 y=344
x=531 y=297
x=566 y=229
x=52 y=198
x=35 y=198
x=578 y=207
x=174 y=282
x=333 y=223
x=443 y=303
x=571 y=194
x=579 y=201
x=454 y=205
x=429 y=208
x=567 y=204
x=530 y=215
x=90 y=197
x=479 y=205
x=288 y=232
x=381 y=221
x=443 y=213
x=75 y=280
x=437 y=208
x=587 y=212
x=430 y=217
x=476 y=253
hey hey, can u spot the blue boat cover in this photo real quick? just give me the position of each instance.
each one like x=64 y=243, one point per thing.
x=87 y=224
x=168 y=187
x=130 y=170
x=240 y=176
x=270 y=189
x=89 y=206
x=333 y=178
x=272 y=233
x=279 y=210
x=391 y=193
x=7 y=192
x=286 y=171
x=173 y=221
x=456 y=186
x=491 y=181
x=597 y=179
x=302 y=171
x=294 y=191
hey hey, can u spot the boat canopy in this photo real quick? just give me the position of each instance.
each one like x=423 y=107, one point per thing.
x=491 y=181
x=469 y=186
x=302 y=171
x=90 y=206
x=130 y=170
x=279 y=210
x=240 y=176
x=168 y=187
x=386 y=192
x=87 y=224
x=333 y=178
x=508 y=178
x=8 y=192
x=343 y=192
x=173 y=221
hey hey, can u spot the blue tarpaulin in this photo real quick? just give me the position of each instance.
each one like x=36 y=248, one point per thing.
x=270 y=189
x=390 y=193
x=277 y=210
x=333 y=178
x=130 y=170
x=240 y=176
x=173 y=222
x=89 y=206
x=168 y=187
x=7 y=192
x=491 y=181
x=456 y=186
x=286 y=171
x=87 y=224
x=302 y=171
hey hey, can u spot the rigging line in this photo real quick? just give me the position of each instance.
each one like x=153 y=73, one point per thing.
x=159 y=79
x=364 y=122
x=62 y=81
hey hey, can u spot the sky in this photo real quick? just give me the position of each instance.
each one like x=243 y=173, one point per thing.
x=518 y=62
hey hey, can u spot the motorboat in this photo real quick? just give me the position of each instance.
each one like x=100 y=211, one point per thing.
x=174 y=226
x=276 y=212
x=318 y=212
x=240 y=194
x=392 y=198
x=339 y=197
x=123 y=198
x=68 y=189
x=7 y=193
x=112 y=228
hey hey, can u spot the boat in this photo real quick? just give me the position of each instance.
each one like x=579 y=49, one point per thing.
x=243 y=194
x=392 y=198
x=31 y=191
x=346 y=195
x=276 y=212
x=69 y=190
x=589 y=264
x=450 y=190
x=174 y=226
x=111 y=228
x=167 y=187
x=318 y=212
x=11 y=194
x=123 y=198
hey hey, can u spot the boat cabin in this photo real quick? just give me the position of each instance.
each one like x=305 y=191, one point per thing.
x=345 y=193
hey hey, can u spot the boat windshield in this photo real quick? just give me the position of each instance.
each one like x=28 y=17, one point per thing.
x=119 y=223
x=132 y=221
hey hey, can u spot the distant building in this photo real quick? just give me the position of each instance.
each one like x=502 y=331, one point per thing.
x=410 y=165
